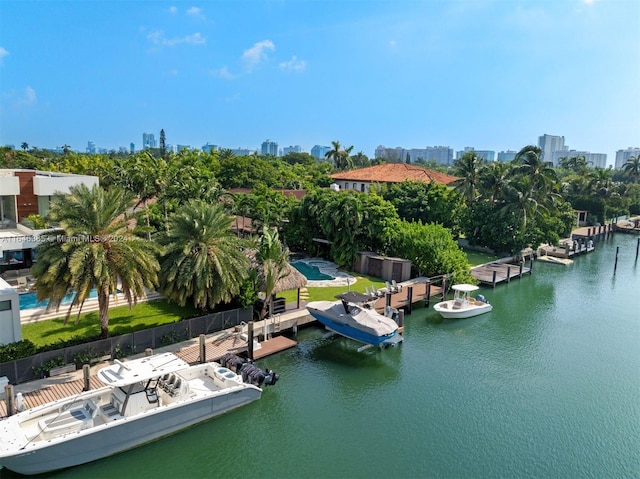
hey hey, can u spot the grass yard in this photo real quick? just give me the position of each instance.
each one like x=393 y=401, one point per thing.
x=121 y=320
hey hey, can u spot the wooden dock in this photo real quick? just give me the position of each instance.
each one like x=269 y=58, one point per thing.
x=496 y=273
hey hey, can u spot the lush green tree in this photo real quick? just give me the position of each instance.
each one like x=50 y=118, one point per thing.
x=426 y=202
x=432 y=251
x=542 y=176
x=360 y=160
x=493 y=180
x=632 y=166
x=294 y=158
x=204 y=261
x=340 y=156
x=25 y=146
x=94 y=251
x=468 y=168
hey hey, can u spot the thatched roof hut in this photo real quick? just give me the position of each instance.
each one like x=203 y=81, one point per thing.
x=293 y=280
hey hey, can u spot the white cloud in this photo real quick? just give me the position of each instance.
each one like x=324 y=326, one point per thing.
x=3 y=53
x=173 y=9
x=157 y=37
x=27 y=97
x=223 y=73
x=195 y=12
x=257 y=53
x=294 y=65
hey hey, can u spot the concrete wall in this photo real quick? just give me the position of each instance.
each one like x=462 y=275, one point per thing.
x=10 y=330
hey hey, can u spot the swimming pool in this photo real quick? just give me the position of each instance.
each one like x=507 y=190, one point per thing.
x=30 y=300
x=310 y=271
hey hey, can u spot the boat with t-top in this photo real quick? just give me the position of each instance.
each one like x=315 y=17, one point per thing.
x=142 y=400
x=463 y=305
x=355 y=317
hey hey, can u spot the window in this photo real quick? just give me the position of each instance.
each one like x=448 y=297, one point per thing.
x=5 y=305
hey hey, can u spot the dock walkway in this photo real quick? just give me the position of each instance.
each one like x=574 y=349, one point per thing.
x=496 y=272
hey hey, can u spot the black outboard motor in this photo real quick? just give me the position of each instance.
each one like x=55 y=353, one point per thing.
x=251 y=373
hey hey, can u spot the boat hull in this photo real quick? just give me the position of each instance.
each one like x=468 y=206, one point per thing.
x=350 y=331
x=102 y=441
x=446 y=310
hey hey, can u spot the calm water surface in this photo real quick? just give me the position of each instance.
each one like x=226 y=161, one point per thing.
x=547 y=385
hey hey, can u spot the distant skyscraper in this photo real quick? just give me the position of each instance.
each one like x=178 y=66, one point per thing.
x=91 y=147
x=488 y=155
x=319 y=151
x=508 y=155
x=550 y=143
x=593 y=160
x=208 y=148
x=269 y=148
x=291 y=149
x=623 y=155
x=148 y=141
x=243 y=152
x=132 y=148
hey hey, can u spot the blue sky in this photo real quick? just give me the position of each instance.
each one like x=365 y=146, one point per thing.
x=482 y=73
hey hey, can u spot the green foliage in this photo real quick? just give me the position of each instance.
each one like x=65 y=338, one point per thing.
x=43 y=370
x=17 y=350
x=432 y=251
x=38 y=221
x=204 y=263
x=426 y=202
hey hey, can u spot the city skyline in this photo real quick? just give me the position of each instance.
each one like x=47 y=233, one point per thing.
x=493 y=75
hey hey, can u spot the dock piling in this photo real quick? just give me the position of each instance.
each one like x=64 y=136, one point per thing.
x=250 y=340
x=494 y=279
x=428 y=293
x=8 y=397
x=86 y=375
x=203 y=349
x=637 y=248
x=508 y=274
x=615 y=264
x=409 y=299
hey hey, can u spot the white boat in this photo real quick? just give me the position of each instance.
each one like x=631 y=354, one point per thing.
x=143 y=400
x=355 y=318
x=463 y=305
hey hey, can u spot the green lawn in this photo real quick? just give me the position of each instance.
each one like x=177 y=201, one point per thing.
x=121 y=320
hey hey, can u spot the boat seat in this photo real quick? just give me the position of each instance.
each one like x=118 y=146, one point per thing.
x=457 y=305
x=175 y=390
x=70 y=420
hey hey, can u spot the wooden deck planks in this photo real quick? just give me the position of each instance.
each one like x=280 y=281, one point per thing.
x=504 y=272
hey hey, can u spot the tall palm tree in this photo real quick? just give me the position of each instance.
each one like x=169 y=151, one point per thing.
x=493 y=180
x=468 y=168
x=95 y=251
x=529 y=162
x=24 y=146
x=632 y=166
x=204 y=261
x=273 y=258
x=340 y=156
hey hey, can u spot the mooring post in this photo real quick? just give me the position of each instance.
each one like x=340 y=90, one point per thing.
x=148 y=352
x=637 y=248
x=401 y=321
x=203 y=349
x=387 y=299
x=8 y=398
x=428 y=294
x=494 y=278
x=409 y=299
x=250 y=340
x=615 y=265
x=86 y=375
x=509 y=273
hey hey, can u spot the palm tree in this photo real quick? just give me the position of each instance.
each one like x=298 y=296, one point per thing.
x=204 y=261
x=529 y=162
x=97 y=251
x=341 y=157
x=519 y=201
x=24 y=146
x=274 y=261
x=632 y=166
x=493 y=180
x=468 y=167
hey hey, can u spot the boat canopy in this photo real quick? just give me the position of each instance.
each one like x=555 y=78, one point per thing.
x=143 y=369
x=465 y=288
x=354 y=297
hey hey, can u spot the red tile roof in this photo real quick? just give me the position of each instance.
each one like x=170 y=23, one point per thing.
x=394 y=173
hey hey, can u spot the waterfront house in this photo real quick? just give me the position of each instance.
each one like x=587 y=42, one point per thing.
x=362 y=178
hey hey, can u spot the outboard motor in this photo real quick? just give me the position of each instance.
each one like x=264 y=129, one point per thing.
x=482 y=298
x=250 y=373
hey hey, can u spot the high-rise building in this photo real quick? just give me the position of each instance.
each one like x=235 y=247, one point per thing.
x=291 y=149
x=593 y=160
x=508 y=155
x=622 y=156
x=91 y=147
x=488 y=155
x=148 y=141
x=208 y=148
x=319 y=151
x=443 y=155
x=550 y=143
x=269 y=148
x=132 y=148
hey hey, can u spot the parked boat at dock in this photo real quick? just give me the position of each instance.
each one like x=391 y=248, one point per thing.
x=142 y=400
x=463 y=305
x=354 y=317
